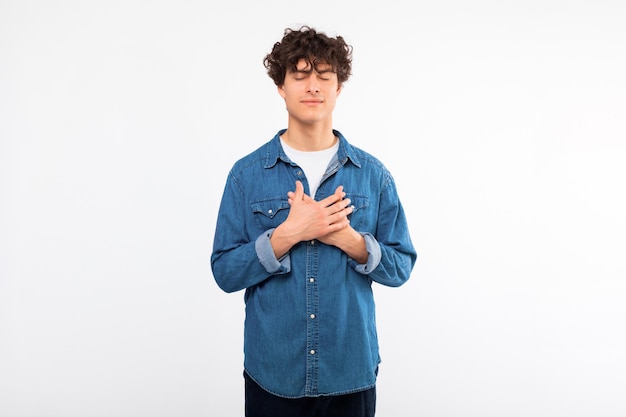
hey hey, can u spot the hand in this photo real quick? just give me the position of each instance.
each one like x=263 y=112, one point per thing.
x=339 y=233
x=312 y=219
x=309 y=219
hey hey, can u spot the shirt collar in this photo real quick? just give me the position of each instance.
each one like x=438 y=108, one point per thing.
x=275 y=151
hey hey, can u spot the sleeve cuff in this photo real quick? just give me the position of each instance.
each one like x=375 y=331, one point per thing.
x=265 y=253
x=374 y=255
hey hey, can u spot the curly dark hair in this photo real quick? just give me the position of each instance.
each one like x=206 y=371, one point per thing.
x=316 y=47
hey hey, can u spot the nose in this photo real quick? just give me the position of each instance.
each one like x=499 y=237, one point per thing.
x=313 y=85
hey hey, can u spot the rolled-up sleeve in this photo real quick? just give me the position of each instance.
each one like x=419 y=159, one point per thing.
x=265 y=253
x=373 y=252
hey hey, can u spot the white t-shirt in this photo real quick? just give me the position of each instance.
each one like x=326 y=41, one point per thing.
x=313 y=163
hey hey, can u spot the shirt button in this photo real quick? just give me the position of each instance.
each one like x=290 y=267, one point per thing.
x=270 y=211
x=311 y=279
x=312 y=352
x=312 y=242
x=312 y=316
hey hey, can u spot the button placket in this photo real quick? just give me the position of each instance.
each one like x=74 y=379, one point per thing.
x=312 y=306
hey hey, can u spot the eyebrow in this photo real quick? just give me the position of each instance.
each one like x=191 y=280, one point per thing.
x=308 y=69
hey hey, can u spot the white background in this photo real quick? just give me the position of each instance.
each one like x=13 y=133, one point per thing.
x=502 y=122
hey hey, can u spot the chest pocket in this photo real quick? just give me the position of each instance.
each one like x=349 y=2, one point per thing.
x=269 y=214
x=358 y=218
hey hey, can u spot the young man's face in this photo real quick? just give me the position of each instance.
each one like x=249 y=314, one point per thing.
x=310 y=93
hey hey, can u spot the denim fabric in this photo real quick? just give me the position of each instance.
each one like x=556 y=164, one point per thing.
x=260 y=403
x=310 y=326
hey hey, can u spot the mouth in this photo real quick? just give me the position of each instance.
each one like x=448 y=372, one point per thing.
x=312 y=102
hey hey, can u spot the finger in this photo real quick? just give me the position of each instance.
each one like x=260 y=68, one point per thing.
x=299 y=193
x=339 y=194
x=343 y=207
x=308 y=199
x=333 y=198
x=340 y=218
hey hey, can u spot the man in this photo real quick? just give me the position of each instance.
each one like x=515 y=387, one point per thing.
x=306 y=223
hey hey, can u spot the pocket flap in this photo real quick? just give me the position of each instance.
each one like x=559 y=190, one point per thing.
x=269 y=208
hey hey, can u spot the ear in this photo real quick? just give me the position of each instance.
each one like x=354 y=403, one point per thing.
x=281 y=90
x=339 y=89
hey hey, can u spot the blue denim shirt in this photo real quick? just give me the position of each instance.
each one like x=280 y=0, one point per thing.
x=310 y=326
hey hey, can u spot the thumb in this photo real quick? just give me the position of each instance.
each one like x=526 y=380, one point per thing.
x=299 y=193
x=305 y=197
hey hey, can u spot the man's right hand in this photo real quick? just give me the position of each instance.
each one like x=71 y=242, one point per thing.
x=309 y=219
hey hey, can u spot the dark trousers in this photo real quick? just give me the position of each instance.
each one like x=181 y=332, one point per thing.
x=260 y=403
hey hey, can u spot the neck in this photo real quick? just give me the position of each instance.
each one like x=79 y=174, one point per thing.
x=309 y=139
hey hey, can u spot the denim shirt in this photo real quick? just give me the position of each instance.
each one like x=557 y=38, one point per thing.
x=310 y=326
